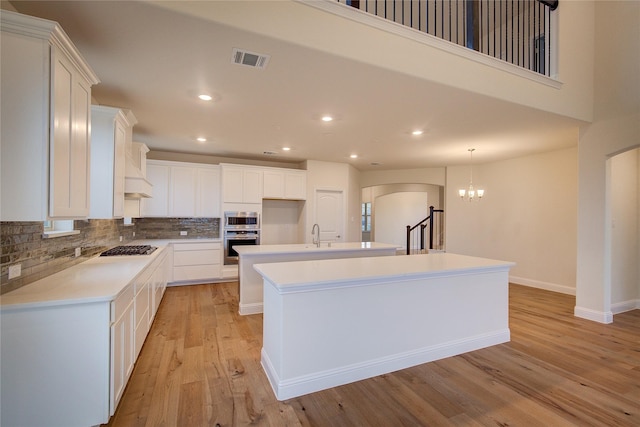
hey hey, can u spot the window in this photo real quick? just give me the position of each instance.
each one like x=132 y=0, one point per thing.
x=366 y=216
x=58 y=229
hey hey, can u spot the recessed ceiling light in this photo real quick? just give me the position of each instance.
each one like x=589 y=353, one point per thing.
x=205 y=97
x=416 y=132
x=286 y=148
x=327 y=118
x=354 y=156
x=201 y=139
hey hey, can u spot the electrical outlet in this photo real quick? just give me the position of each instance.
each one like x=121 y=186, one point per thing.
x=15 y=271
x=183 y=233
x=121 y=238
x=134 y=234
x=78 y=252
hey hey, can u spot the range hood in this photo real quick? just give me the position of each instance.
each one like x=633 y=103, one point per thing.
x=136 y=185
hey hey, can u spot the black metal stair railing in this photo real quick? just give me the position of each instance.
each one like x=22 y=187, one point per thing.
x=416 y=233
x=515 y=31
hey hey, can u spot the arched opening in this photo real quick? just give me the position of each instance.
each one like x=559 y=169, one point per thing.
x=394 y=206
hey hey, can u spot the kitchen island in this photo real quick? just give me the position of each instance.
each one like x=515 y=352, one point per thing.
x=250 y=282
x=332 y=322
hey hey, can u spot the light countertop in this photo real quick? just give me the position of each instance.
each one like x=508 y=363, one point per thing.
x=310 y=248
x=94 y=280
x=318 y=273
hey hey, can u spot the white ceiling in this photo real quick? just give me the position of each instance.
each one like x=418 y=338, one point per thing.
x=155 y=62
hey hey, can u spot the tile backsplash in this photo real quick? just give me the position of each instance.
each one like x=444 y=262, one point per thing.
x=170 y=228
x=22 y=243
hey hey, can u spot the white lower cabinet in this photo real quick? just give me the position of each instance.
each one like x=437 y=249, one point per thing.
x=131 y=324
x=68 y=364
x=197 y=261
x=122 y=346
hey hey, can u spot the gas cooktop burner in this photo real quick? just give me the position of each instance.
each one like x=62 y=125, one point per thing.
x=129 y=250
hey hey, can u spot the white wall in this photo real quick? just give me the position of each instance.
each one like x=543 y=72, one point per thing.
x=615 y=129
x=334 y=176
x=625 y=254
x=394 y=48
x=528 y=216
x=434 y=176
x=282 y=222
x=393 y=212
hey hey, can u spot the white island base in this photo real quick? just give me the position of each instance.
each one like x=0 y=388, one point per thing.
x=250 y=282
x=333 y=322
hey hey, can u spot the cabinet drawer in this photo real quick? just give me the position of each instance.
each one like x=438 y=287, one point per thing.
x=120 y=304
x=196 y=272
x=207 y=257
x=197 y=246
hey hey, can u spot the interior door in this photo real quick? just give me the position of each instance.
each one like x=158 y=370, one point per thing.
x=329 y=215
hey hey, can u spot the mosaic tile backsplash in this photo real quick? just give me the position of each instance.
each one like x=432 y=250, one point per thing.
x=22 y=243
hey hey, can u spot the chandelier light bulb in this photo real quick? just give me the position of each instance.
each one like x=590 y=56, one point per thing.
x=471 y=192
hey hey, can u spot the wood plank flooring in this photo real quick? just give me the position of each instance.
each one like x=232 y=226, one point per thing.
x=200 y=366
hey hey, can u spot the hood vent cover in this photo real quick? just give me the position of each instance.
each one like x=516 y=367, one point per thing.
x=136 y=185
x=250 y=59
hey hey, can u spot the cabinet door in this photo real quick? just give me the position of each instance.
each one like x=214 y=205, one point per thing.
x=183 y=192
x=273 y=184
x=121 y=356
x=208 y=193
x=232 y=185
x=158 y=205
x=252 y=186
x=69 y=145
x=295 y=185
x=141 y=316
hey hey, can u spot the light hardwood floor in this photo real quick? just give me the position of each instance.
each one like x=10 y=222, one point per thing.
x=200 y=366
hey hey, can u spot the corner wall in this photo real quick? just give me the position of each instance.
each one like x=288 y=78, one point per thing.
x=528 y=216
x=625 y=235
x=615 y=129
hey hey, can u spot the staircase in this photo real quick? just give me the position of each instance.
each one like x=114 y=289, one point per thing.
x=427 y=236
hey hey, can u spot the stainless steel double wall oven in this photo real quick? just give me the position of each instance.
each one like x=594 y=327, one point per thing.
x=240 y=228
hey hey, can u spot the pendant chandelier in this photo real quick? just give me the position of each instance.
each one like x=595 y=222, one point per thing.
x=471 y=193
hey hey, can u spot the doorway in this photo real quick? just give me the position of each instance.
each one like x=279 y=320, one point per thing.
x=329 y=214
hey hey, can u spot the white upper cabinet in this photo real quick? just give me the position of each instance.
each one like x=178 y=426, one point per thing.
x=183 y=190
x=158 y=205
x=208 y=200
x=46 y=128
x=241 y=184
x=110 y=129
x=289 y=184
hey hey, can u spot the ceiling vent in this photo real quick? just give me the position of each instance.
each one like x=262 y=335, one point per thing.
x=250 y=59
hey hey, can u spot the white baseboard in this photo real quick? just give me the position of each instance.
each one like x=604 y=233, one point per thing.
x=621 y=307
x=594 y=315
x=543 y=285
x=347 y=374
x=196 y=282
x=254 y=308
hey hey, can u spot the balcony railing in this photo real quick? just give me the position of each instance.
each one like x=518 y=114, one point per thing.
x=515 y=31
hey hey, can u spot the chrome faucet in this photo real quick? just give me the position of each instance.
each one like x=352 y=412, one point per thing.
x=315 y=231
